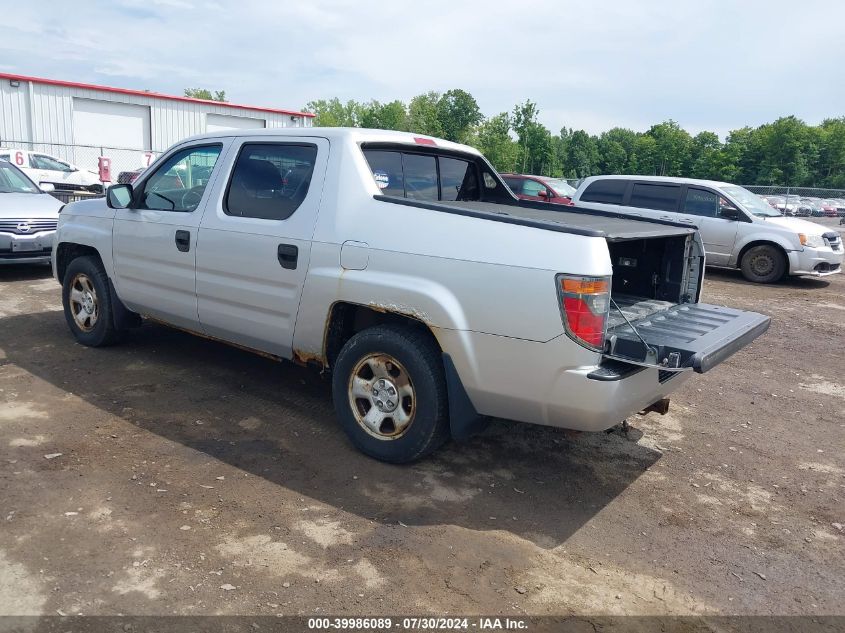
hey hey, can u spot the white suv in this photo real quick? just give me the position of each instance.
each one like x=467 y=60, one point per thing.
x=739 y=230
x=43 y=168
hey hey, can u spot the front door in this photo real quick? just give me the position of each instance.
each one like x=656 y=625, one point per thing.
x=255 y=240
x=702 y=207
x=155 y=239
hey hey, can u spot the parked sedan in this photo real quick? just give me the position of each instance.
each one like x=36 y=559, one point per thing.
x=540 y=188
x=829 y=208
x=28 y=218
x=810 y=207
x=43 y=168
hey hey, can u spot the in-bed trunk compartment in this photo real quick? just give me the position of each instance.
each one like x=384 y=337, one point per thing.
x=654 y=318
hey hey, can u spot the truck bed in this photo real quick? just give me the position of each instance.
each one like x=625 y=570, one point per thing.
x=555 y=217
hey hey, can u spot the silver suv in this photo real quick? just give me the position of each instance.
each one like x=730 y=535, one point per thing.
x=738 y=228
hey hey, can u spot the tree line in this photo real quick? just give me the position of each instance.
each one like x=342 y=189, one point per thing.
x=784 y=152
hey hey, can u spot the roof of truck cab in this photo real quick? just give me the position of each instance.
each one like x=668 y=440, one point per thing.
x=662 y=179
x=352 y=134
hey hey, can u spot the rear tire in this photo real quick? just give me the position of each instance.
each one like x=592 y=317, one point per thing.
x=389 y=392
x=763 y=264
x=87 y=303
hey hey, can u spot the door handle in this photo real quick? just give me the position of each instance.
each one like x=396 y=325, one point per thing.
x=288 y=254
x=183 y=241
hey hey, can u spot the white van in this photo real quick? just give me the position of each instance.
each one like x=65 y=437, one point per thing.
x=44 y=168
x=739 y=230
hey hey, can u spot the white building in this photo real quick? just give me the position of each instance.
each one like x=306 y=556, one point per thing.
x=79 y=122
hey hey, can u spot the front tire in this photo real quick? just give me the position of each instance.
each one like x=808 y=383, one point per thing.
x=87 y=303
x=763 y=264
x=389 y=392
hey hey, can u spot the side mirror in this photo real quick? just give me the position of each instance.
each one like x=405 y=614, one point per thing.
x=47 y=187
x=729 y=213
x=544 y=193
x=119 y=196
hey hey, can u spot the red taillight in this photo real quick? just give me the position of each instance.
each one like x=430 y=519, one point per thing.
x=419 y=140
x=585 y=302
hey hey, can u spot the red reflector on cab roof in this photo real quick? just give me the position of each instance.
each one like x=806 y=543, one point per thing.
x=424 y=141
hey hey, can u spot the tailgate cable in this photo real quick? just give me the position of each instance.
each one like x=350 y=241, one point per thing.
x=649 y=350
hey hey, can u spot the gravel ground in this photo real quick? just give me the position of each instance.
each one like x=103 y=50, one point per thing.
x=173 y=475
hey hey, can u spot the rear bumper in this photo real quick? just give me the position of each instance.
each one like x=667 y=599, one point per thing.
x=549 y=383
x=816 y=262
x=26 y=249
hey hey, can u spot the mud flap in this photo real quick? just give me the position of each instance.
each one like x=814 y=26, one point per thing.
x=695 y=336
x=122 y=317
x=464 y=420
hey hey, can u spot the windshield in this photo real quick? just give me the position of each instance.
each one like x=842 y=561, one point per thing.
x=562 y=187
x=750 y=202
x=12 y=180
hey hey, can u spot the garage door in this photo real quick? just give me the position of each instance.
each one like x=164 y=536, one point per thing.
x=217 y=122
x=108 y=124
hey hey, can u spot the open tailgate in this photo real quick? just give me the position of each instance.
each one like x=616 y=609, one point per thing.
x=695 y=336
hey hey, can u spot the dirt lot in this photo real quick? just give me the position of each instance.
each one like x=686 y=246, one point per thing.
x=172 y=475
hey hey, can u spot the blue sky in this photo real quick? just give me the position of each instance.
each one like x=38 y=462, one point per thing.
x=710 y=64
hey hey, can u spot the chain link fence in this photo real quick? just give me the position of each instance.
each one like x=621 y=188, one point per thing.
x=75 y=168
x=801 y=192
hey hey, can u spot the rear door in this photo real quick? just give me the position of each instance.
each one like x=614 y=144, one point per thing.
x=254 y=242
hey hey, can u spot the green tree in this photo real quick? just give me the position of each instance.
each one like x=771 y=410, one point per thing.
x=583 y=154
x=458 y=113
x=617 y=150
x=333 y=113
x=705 y=156
x=523 y=118
x=831 y=164
x=785 y=152
x=202 y=93
x=388 y=116
x=494 y=141
x=423 y=115
x=671 y=149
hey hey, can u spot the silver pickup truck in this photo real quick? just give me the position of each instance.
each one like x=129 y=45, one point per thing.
x=406 y=267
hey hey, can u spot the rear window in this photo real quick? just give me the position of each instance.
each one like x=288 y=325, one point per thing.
x=606 y=191
x=420 y=173
x=458 y=179
x=426 y=177
x=659 y=197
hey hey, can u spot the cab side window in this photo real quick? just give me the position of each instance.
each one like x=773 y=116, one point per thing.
x=270 y=180
x=701 y=202
x=178 y=185
x=653 y=196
